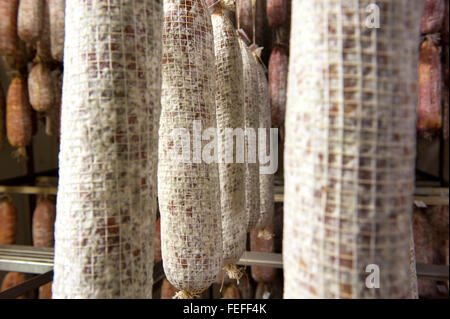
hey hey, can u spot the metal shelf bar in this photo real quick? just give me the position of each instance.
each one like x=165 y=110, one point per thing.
x=253 y=258
x=29 y=179
x=28 y=190
x=35 y=260
x=39 y=280
x=436 y=272
x=423 y=195
x=27 y=286
x=26 y=259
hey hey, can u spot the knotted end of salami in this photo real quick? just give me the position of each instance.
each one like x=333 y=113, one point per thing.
x=234 y=272
x=265 y=234
x=183 y=294
x=20 y=154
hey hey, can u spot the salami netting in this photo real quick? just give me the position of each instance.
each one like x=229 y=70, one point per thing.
x=230 y=116
x=266 y=181
x=56 y=23
x=107 y=179
x=188 y=189
x=412 y=266
x=251 y=116
x=350 y=147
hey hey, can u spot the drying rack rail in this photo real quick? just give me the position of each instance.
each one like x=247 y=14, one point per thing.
x=39 y=261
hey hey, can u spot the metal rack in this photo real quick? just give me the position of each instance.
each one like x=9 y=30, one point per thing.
x=424 y=196
x=39 y=261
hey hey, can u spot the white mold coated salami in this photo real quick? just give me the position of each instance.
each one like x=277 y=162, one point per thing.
x=251 y=115
x=41 y=90
x=29 y=20
x=43 y=45
x=230 y=115
x=56 y=24
x=350 y=148
x=266 y=181
x=188 y=191
x=106 y=201
x=278 y=72
x=9 y=40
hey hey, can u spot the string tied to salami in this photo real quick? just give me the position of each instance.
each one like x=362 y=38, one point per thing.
x=183 y=294
x=234 y=272
x=265 y=234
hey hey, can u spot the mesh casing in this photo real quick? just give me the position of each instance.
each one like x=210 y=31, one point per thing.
x=106 y=202
x=251 y=116
x=29 y=20
x=350 y=148
x=189 y=199
x=230 y=115
x=266 y=181
x=56 y=25
x=412 y=267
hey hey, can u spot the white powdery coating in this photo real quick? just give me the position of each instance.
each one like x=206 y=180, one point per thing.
x=43 y=45
x=251 y=115
x=41 y=88
x=57 y=10
x=350 y=148
x=29 y=20
x=229 y=114
x=412 y=266
x=189 y=199
x=266 y=196
x=43 y=223
x=106 y=203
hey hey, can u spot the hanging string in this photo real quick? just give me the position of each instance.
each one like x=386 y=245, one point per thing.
x=254 y=20
x=212 y=5
x=238 y=6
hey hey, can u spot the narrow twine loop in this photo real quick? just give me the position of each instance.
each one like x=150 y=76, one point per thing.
x=265 y=234
x=234 y=272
